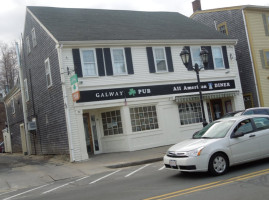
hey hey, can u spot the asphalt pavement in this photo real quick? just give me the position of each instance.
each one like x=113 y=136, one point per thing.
x=18 y=171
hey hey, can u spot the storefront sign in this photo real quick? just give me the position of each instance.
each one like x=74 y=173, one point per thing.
x=145 y=91
x=74 y=86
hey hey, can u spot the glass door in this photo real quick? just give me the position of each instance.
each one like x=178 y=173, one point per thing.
x=88 y=134
x=94 y=129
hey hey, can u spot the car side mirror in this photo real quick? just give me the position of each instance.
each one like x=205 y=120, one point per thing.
x=193 y=136
x=238 y=134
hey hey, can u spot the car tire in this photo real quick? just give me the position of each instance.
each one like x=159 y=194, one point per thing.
x=218 y=164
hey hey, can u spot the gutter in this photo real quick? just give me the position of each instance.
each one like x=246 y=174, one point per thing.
x=96 y=43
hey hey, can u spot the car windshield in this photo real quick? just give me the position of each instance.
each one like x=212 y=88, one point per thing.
x=216 y=129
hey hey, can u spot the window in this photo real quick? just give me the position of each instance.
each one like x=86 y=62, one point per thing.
x=48 y=73
x=195 y=56
x=119 y=63
x=12 y=106
x=112 y=123
x=26 y=90
x=244 y=127
x=223 y=28
x=261 y=123
x=144 y=118
x=190 y=113
x=266 y=58
x=218 y=58
x=89 y=66
x=34 y=37
x=160 y=59
x=28 y=45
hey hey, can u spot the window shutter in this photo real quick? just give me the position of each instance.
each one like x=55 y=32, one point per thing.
x=190 y=61
x=225 y=57
x=100 y=61
x=266 y=24
x=262 y=59
x=109 y=69
x=151 y=60
x=210 y=65
x=77 y=62
x=169 y=59
x=129 y=60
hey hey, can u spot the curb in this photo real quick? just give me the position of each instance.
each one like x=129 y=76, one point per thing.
x=135 y=163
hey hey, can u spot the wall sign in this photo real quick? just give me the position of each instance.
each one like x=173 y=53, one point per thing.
x=155 y=90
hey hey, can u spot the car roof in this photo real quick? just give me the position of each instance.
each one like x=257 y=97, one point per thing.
x=241 y=117
x=257 y=108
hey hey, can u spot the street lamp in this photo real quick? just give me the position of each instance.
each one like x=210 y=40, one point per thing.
x=185 y=56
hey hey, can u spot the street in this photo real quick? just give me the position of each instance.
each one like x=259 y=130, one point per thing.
x=152 y=182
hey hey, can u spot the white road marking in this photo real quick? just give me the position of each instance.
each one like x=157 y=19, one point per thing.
x=7 y=192
x=57 y=187
x=105 y=176
x=26 y=191
x=136 y=170
x=162 y=168
x=82 y=178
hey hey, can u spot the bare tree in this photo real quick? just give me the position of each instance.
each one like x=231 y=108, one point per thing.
x=8 y=66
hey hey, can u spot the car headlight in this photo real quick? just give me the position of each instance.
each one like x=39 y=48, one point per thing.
x=195 y=152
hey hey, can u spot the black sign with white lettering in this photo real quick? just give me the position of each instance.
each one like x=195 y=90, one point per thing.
x=145 y=91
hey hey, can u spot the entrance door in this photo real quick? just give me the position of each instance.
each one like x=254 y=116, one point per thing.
x=88 y=134
x=216 y=105
x=94 y=129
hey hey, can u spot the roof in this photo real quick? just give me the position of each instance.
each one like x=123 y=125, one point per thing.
x=242 y=7
x=73 y=24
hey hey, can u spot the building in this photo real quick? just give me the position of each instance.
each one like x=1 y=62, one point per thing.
x=250 y=25
x=135 y=93
x=2 y=116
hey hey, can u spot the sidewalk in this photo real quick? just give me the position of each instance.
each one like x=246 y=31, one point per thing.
x=18 y=171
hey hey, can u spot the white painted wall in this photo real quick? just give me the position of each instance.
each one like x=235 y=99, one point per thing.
x=170 y=131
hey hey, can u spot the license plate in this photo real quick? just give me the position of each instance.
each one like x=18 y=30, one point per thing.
x=172 y=163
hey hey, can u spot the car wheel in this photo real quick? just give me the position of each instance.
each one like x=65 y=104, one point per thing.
x=218 y=164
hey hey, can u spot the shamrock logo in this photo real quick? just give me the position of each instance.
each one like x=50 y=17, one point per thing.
x=132 y=92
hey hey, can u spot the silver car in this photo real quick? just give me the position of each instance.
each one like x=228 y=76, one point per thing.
x=221 y=144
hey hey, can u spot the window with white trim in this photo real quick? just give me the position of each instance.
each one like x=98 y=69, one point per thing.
x=190 y=113
x=118 y=61
x=89 y=65
x=34 y=37
x=26 y=93
x=218 y=58
x=160 y=59
x=48 y=72
x=12 y=106
x=144 y=118
x=195 y=56
x=112 y=123
x=28 y=45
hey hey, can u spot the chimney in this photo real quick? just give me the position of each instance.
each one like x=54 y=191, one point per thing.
x=196 y=5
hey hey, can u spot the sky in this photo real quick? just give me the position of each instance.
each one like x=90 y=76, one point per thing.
x=12 y=12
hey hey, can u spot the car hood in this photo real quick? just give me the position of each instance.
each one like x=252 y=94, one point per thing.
x=191 y=144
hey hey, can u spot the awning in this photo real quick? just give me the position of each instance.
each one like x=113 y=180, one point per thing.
x=182 y=99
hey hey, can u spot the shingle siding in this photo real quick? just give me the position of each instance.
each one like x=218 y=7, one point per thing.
x=236 y=30
x=15 y=119
x=46 y=104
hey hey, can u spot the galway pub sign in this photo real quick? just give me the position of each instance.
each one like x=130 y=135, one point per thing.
x=145 y=91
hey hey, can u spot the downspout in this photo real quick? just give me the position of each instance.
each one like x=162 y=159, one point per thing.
x=67 y=113
x=252 y=64
x=8 y=129
x=23 y=101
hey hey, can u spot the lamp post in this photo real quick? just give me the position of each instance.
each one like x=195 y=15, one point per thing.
x=185 y=56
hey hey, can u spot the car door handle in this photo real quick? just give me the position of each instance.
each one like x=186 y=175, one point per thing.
x=252 y=135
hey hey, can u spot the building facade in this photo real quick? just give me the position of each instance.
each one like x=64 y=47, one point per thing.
x=248 y=24
x=135 y=93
